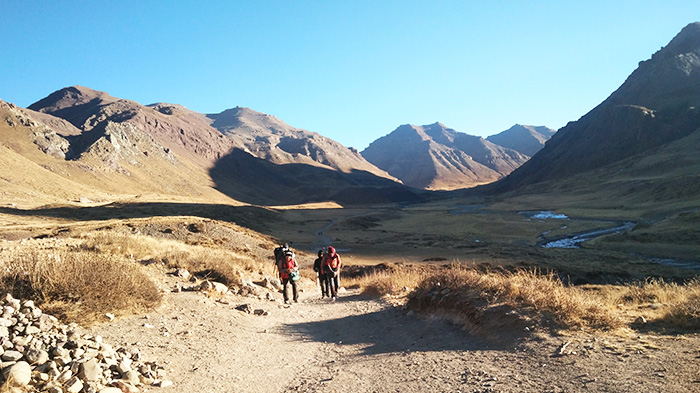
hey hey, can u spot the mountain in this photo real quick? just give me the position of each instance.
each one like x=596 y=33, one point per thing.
x=527 y=140
x=267 y=137
x=117 y=146
x=658 y=103
x=436 y=157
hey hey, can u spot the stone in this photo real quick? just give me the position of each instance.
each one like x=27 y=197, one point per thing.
x=246 y=308
x=183 y=273
x=20 y=374
x=110 y=390
x=123 y=366
x=46 y=322
x=213 y=286
x=132 y=376
x=165 y=383
x=64 y=376
x=74 y=385
x=11 y=356
x=90 y=370
x=126 y=387
x=36 y=356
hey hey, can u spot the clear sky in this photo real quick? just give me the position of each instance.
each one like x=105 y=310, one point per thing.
x=352 y=70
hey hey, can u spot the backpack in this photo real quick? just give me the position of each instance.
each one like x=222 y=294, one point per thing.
x=280 y=251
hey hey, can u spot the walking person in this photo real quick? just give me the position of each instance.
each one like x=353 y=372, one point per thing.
x=289 y=274
x=331 y=269
x=322 y=281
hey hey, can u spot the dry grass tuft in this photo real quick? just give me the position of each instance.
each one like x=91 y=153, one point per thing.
x=207 y=262
x=390 y=282
x=517 y=299
x=80 y=285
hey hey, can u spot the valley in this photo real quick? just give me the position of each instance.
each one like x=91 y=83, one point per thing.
x=159 y=216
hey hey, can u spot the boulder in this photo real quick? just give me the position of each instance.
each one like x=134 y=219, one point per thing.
x=20 y=374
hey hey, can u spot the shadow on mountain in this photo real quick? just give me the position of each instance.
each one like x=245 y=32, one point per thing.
x=253 y=180
x=252 y=217
x=390 y=331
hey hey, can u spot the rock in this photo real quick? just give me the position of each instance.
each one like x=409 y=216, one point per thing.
x=640 y=320
x=110 y=390
x=126 y=387
x=165 y=383
x=74 y=385
x=183 y=273
x=46 y=322
x=36 y=356
x=90 y=370
x=20 y=374
x=132 y=376
x=11 y=356
x=261 y=312
x=124 y=366
x=213 y=286
x=109 y=316
x=246 y=308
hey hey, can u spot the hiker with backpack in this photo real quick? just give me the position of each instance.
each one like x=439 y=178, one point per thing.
x=323 y=282
x=279 y=255
x=330 y=267
x=289 y=274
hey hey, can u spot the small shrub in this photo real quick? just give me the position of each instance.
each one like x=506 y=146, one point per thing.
x=80 y=285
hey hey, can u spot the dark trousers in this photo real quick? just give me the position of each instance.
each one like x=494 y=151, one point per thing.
x=323 y=281
x=331 y=285
x=286 y=281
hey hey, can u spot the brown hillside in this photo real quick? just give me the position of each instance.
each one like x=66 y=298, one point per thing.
x=267 y=137
x=657 y=104
x=437 y=157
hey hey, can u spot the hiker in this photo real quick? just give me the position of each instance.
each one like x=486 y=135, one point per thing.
x=323 y=282
x=279 y=253
x=289 y=274
x=331 y=269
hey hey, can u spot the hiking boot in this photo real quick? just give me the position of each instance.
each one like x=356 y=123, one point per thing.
x=334 y=298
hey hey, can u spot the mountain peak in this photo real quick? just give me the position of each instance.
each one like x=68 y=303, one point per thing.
x=688 y=40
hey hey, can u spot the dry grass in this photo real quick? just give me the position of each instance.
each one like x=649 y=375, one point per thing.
x=484 y=300
x=528 y=295
x=80 y=279
x=80 y=285
x=206 y=261
x=675 y=305
x=388 y=280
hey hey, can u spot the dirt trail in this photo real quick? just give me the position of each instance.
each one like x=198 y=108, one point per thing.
x=362 y=345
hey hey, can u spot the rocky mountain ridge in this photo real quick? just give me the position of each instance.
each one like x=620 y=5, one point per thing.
x=437 y=157
x=657 y=104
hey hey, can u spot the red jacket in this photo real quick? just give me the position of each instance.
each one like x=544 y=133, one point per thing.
x=286 y=265
x=331 y=263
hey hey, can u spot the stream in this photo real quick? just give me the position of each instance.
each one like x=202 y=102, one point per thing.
x=575 y=240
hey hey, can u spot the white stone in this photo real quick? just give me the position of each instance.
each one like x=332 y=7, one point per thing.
x=20 y=373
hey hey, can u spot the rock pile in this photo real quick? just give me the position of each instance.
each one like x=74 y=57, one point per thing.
x=39 y=353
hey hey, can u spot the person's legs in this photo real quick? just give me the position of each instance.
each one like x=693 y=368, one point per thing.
x=294 y=291
x=285 y=281
x=333 y=286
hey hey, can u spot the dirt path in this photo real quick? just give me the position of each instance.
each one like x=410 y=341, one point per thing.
x=361 y=345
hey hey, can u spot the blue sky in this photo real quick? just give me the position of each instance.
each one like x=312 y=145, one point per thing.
x=350 y=70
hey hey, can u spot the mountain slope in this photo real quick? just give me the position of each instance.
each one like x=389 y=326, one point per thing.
x=527 y=140
x=168 y=149
x=437 y=157
x=267 y=137
x=657 y=104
